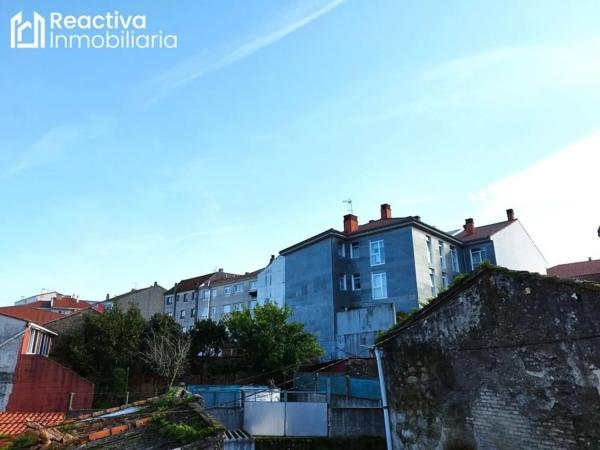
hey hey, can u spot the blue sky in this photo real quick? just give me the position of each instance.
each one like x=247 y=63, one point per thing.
x=122 y=167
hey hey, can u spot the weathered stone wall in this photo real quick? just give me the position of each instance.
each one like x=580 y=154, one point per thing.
x=507 y=360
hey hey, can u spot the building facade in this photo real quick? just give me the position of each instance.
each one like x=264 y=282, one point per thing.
x=584 y=270
x=386 y=266
x=149 y=300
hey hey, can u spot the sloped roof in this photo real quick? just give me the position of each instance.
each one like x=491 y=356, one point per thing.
x=191 y=284
x=235 y=278
x=69 y=302
x=380 y=223
x=133 y=291
x=26 y=312
x=15 y=423
x=483 y=231
x=576 y=269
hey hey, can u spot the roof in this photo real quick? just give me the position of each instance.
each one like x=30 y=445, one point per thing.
x=192 y=284
x=133 y=291
x=484 y=231
x=582 y=269
x=29 y=314
x=236 y=278
x=140 y=425
x=381 y=223
x=68 y=302
x=15 y=423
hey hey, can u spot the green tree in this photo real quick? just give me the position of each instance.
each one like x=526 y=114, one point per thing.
x=208 y=338
x=268 y=342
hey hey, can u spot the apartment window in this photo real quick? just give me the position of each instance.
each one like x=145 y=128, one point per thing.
x=238 y=306
x=185 y=297
x=170 y=314
x=478 y=255
x=432 y=281
x=39 y=343
x=354 y=250
x=182 y=314
x=206 y=295
x=454 y=259
x=183 y=329
x=193 y=312
x=213 y=312
x=429 y=255
x=213 y=293
x=379 y=285
x=356 y=282
x=205 y=313
x=442 y=250
x=227 y=290
x=341 y=249
x=178 y=297
x=226 y=309
x=253 y=304
x=342 y=282
x=253 y=285
x=169 y=299
x=377 y=253
x=444 y=280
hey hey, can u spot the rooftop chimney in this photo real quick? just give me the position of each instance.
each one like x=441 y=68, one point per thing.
x=272 y=258
x=386 y=211
x=220 y=269
x=469 y=226
x=107 y=296
x=350 y=223
x=510 y=214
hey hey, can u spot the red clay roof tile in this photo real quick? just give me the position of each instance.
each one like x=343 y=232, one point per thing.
x=15 y=423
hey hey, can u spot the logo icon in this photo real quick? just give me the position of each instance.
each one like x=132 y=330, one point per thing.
x=21 y=29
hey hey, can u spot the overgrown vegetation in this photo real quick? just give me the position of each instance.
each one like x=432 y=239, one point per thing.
x=182 y=432
x=24 y=441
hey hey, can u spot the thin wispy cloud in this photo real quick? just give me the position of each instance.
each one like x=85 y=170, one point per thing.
x=556 y=200
x=200 y=65
x=52 y=145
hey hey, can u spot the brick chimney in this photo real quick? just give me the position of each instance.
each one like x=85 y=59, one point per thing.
x=510 y=214
x=350 y=223
x=469 y=226
x=386 y=211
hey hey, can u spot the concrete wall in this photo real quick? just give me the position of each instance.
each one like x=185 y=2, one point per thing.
x=356 y=422
x=507 y=360
x=10 y=346
x=149 y=300
x=515 y=250
x=357 y=328
x=271 y=283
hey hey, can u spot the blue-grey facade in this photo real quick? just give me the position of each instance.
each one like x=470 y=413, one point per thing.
x=390 y=261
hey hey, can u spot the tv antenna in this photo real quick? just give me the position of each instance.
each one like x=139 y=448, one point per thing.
x=349 y=202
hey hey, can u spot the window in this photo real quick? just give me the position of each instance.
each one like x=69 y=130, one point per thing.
x=354 y=250
x=454 y=259
x=377 y=253
x=182 y=314
x=478 y=255
x=444 y=280
x=183 y=329
x=342 y=282
x=185 y=297
x=238 y=306
x=193 y=312
x=39 y=343
x=341 y=250
x=379 y=285
x=442 y=248
x=429 y=256
x=226 y=309
x=253 y=285
x=213 y=293
x=238 y=288
x=356 y=282
x=170 y=314
x=227 y=290
x=169 y=299
x=432 y=281
x=206 y=295
x=205 y=313
x=213 y=312
x=178 y=297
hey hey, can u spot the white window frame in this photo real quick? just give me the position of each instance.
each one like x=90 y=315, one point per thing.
x=238 y=288
x=356 y=276
x=169 y=300
x=227 y=290
x=444 y=280
x=442 y=250
x=354 y=254
x=343 y=282
x=429 y=250
x=482 y=256
x=377 y=258
x=382 y=276
x=182 y=314
x=253 y=284
x=226 y=309
x=454 y=259
x=432 y=282
x=185 y=297
x=341 y=249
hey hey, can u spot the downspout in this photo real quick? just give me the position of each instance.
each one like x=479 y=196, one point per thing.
x=384 y=402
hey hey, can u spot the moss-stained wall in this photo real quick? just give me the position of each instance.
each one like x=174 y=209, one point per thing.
x=508 y=360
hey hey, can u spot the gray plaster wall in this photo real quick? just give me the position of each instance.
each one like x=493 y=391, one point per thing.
x=10 y=346
x=149 y=300
x=507 y=360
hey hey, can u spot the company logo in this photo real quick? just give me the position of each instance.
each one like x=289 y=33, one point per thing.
x=111 y=30
x=21 y=29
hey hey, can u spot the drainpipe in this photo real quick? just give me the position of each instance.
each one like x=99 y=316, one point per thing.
x=384 y=402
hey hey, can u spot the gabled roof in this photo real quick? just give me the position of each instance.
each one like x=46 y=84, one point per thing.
x=381 y=223
x=15 y=423
x=29 y=314
x=192 y=284
x=134 y=291
x=235 y=278
x=483 y=232
x=68 y=302
x=576 y=269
